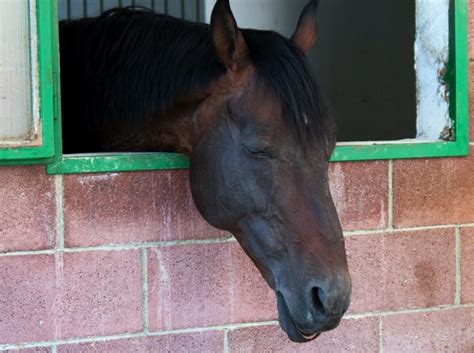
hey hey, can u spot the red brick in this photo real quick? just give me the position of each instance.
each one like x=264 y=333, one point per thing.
x=438 y=331
x=360 y=192
x=82 y=294
x=207 y=342
x=100 y=293
x=205 y=285
x=434 y=191
x=131 y=207
x=27 y=209
x=27 y=295
x=467 y=265
x=402 y=270
x=351 y=336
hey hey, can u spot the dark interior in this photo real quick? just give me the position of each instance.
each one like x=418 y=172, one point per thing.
x=364 y=60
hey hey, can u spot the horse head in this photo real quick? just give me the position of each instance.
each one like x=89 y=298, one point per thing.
x=259 y=169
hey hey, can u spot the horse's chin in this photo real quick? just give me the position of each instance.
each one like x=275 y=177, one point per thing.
x=289 y=326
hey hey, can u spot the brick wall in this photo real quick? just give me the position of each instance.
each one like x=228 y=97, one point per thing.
x=123 y=263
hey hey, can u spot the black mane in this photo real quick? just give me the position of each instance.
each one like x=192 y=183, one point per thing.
x=130 y=63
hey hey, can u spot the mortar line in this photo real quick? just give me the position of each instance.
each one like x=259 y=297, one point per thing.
x=4 y=347
x=351 y=233
x=28 y=253
x=163 y=244
x=58 y=254
x=381 y=335
x=408 y=311
x=59 y=189
x=159 y=244
x=54 y=349
x=223 y=240
x=233 y=326
x=390 y=195
x=48 y=344
x=401 y=230
x=144 y=263
x=129 y=246
x=457 y=295
x=226 y=341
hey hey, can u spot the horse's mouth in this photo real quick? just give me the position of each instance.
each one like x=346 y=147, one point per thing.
x=288 y=324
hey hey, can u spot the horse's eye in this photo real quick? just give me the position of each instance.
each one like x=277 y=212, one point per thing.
x=258 y=152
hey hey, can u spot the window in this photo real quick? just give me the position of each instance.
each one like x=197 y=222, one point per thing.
x=70 y=164
x=394 y=72
x=26 y=82
x=30 y=122
x=441 y=74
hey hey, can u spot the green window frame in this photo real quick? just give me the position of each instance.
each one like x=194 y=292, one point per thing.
x=51 y=152
x=457 y=77
x=46 y=57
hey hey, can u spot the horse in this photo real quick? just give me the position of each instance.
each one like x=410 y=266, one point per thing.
x=243 y=105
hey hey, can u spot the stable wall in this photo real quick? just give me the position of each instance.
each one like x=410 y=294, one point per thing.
x=123 y=263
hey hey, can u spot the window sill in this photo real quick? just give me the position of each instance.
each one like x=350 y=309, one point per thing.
x=128 y=162
x=117 y=162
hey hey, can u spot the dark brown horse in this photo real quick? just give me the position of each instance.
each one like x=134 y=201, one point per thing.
x=242 y=104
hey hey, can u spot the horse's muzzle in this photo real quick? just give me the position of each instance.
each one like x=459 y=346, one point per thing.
x=304 y=317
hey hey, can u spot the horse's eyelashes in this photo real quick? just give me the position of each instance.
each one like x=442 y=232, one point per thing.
x=258 y=151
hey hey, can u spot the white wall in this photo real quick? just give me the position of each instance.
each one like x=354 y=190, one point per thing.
x=431 y=56
x=277 y=15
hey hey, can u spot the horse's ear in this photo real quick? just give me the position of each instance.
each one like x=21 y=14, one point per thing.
x=227 y=38
x=306 y=31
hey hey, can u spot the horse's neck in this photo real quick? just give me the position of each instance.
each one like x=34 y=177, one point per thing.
x=172 y=130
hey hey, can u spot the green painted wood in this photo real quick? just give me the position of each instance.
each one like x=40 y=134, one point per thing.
x=460 y=53
x=46 y=13
x=118 y=162
x=58 y=131
x=399 y=151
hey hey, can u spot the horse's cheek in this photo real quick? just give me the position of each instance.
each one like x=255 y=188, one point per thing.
x=228 y=185
x=214 y=187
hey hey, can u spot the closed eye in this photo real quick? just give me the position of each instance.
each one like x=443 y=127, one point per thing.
x=257 y=152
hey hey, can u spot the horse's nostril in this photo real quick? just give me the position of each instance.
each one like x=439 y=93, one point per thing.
x=317 y=296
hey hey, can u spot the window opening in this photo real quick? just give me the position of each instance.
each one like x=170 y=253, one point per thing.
x=381 y=65
x=395 y=95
